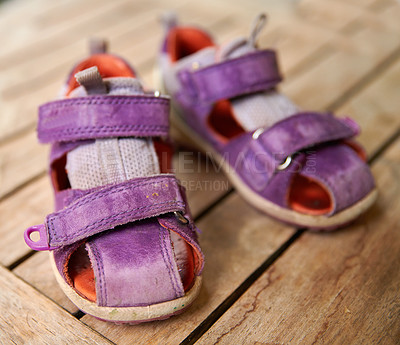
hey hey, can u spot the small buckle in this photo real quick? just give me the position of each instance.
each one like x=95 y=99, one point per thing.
x=42 y=243
x=181 y=217
x=257 y=133
x=284 y=164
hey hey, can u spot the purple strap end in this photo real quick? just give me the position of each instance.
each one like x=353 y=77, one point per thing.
x=42 y=243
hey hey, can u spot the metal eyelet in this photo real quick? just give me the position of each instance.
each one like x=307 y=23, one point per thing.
x=257 y=133
x=181 y=217
x=285 y=164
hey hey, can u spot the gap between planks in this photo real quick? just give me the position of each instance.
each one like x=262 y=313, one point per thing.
x=212 y=318
x=206 y=212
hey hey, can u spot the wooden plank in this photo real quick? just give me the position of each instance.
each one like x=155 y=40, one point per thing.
x=371 y=109
x=21 y=159
x=377 y=109
x=229 y=206
x=37 y=44
x=27 y=18
x=332 y=15
x=38 y=80
x=391 y=15
x=38 y=272
x=335 y=288
x=342 y=70
x=29 y=317
x=22 y=113
x=210 y=287
x=235 y=239
x=25 y=208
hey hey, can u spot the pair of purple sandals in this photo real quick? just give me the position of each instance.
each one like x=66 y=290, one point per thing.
x=122 y=242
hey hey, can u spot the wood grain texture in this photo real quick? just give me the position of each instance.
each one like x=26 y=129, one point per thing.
x=334 y=53
x=25 y=208
x=29 y=317
x=376 y=108
x=21 y=159
x=352 y=58
x=335 y=288
x=205 y=185
x=38 y=273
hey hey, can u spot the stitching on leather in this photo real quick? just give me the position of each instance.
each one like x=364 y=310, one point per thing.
x=97 y=101
x=98 y=128
x=260 y=56
x=102 y=283
x=108 y=191
x=51 y=133
x=237 y=61
x=250 y=87
x=99 y=194
x=163 y=253
x=341 y=131
x=106 y=221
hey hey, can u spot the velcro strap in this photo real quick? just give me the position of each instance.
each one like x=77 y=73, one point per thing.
x=115 y=205
x=305 y=130
x=268 y=152
x=250 y=73
x=103 y=116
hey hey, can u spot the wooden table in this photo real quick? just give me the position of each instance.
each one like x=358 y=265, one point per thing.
x=264 y=282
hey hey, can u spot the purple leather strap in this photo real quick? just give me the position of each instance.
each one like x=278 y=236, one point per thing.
x=231 y=78
x=103 y=116
x=337 y=167
x=188 y=233
x=260 y=158
x=111 y=206
x=301 y=131
x=135 y=266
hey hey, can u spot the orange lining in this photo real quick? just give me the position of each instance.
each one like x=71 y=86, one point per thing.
x=79 y=268
x=81 y=273
x=222 y=121
x=308 y=196
x=184 y=41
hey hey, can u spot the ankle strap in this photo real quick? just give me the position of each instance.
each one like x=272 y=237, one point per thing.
x=249 y=73
x=108 y=207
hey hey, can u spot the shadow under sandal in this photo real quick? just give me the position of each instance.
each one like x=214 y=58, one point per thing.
x=123 y=245
x=300 y=167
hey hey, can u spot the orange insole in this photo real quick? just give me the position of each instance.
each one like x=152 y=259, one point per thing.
x=307 y=196
x=81 y=273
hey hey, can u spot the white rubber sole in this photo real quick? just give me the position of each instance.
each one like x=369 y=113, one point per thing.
x=132 y=315
x=314 y=222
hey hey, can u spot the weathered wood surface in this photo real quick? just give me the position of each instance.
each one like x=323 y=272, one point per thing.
x=336 y=288
x=337 y=55
x=28 y=317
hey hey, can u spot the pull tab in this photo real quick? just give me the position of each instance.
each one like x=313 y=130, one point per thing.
x=42 y=243
x=97 y=46
x=256 y=28
x=91 y=80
